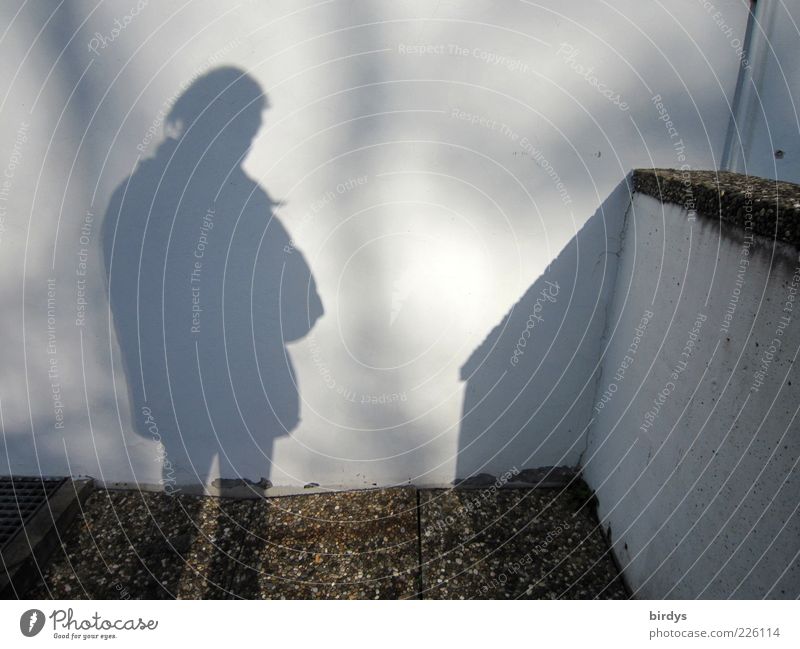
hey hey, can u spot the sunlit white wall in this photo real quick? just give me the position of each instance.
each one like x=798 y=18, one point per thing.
x=431 y=159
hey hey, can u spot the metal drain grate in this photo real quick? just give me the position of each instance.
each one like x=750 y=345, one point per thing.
x=20 y=498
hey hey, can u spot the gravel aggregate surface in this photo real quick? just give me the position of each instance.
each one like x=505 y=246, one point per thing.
x=514 y=543
x=375 y=544
x=769 y=208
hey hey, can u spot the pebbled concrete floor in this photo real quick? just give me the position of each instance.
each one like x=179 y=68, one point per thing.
x=383 y=543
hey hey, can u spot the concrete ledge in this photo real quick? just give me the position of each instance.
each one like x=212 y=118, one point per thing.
x=767 y=207
x=541 y=478
x=397 y=543
x=693 y=450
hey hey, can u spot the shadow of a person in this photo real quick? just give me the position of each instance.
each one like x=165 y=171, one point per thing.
x=206 y=288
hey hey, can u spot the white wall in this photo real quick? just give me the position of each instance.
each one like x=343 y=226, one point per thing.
x=765 y=132
x=701 y=493
x=480 y=160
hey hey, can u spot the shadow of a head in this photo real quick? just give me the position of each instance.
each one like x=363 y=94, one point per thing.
x=218 y=115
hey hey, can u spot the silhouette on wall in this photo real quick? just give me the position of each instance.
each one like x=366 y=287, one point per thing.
x=531 y=384
x=206 y=289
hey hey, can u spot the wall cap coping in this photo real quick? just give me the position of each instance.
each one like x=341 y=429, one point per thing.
x=762 y=206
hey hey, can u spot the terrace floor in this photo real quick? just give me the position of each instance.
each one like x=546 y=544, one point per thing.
x=383 y=543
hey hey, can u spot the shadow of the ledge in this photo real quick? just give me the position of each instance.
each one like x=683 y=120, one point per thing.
x=531 y=383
